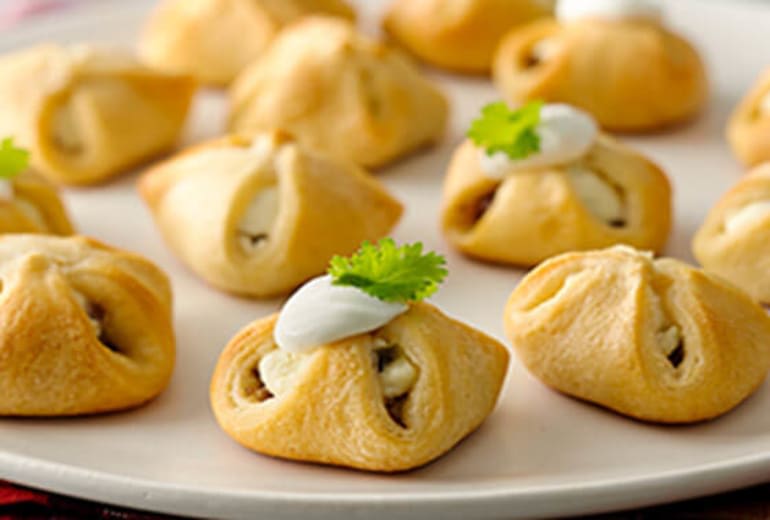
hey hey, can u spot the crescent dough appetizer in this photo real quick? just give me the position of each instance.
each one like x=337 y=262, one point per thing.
x=749 y=127
x=457 y=34
x=359 y=382
x=734 y=242
x=89 y=113
x=581 y=190
x=260 y=216
x=214 y=40
x=656 y=340
x=85 y=328
x=625 y=68
x=339 y=92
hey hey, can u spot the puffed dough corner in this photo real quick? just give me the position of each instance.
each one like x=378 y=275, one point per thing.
x=340 y=92
x=631 y=75
x=214 y=40
x=734 y=241
x=34 y=206
x=459 y=35
x=611 y=196
x=749 y=128
x=84 y=328
x=337 y=407
x=657 y=340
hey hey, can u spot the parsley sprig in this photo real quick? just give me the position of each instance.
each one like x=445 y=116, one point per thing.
x=512 y=132
x=391 y=273
x=13 y=160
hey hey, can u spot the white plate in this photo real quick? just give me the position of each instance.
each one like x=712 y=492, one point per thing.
x=539 y=454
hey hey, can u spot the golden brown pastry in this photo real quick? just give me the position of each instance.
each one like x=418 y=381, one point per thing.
x=657 y=340
x=734 y=242
x=88 y=113
x=339 y=92
x=521 y=213
x=749 y=128
x=342 y=377
x=84 y=328
x=260 y=216
x=458 y=34
x=213 y=40
x=631 y=73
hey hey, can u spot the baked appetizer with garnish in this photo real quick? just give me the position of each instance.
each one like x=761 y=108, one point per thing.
x=535 y=182
x=657 y=340
x=357 y=371
x=458 y=34
x=613 y=58
x=258 y=216
x=85 y=328
x=88 y=113
x=749 y=128
x=340 y=92
x=213 y=40
x=734 y=242
x=28 y=203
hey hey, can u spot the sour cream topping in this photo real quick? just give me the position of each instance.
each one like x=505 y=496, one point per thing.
x=613 y=10
x=321 y=313
x=747 y=216
x=566 y=134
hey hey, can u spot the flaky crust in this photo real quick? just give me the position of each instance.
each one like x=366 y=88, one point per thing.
x=749 y=129
x=632 y=76
x=741 y=255
x=537 y=214
x=213 y=40
x=335 y=413
x=587 y=324
x=327 y=207
x=51 y=361
x=339 y=92
x=457 y=34
x=34 y=208
x=88 y=113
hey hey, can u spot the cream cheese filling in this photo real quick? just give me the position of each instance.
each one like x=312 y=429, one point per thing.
x=257 y=222
x=597 y=194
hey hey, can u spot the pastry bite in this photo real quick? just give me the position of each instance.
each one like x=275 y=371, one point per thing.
x=542 y=180
x=88 y=113
x=85 y=328
x=340 y=92
x=258 y=216
x=28 y=203
x=356 y=371
x=613 y=58
x=734 y=241
x=656 y=340
x=457 y=34
x=214 y=40
x=749 y=128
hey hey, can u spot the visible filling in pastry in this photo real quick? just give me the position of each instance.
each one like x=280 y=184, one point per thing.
x=668 y=336
x=542 y=51
x=64 y=131
x=601 y=198
x=747 y=216
x=256 y=224
x=96 y=316
x=481 y=206
x=278 y=371
x=397 y=376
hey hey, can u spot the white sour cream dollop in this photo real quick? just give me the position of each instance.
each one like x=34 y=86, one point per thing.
x=566 y=134
x=321 y=313
x=747 y=216
x=613 y=10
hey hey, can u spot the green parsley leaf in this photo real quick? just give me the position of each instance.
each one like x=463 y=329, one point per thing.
x=13 y=160
x=513 y=132
x=391 y=273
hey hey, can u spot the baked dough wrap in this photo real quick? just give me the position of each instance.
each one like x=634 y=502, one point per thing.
x=734 y=241
x=457 y=34
x=88 y=113
x=749 y=128
x=84 y=328
x=339 y=92
x=334 y=410
x=531 y=215
x=214 y=40
x=35 y=207
x=656 y=340
x=631 y=75
x=323 y=207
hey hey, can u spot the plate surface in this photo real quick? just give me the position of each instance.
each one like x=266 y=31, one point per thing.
x=539 y=454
